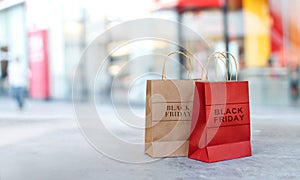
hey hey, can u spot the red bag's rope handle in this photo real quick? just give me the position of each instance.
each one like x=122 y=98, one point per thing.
x=189 y=65
x=218 y=57
x=223 y=55
x=235 y=64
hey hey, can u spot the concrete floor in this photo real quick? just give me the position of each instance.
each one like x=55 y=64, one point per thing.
x=44 y=142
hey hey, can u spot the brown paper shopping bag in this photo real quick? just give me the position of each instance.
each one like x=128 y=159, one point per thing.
x=168 y=115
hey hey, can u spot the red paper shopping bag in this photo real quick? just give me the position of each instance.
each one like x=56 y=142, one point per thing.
x=220 y=127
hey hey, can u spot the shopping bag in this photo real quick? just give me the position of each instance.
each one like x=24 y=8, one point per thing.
x=168 y=115
x=220 y=128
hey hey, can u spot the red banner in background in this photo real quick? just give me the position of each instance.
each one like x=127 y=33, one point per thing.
x=276 y=29
x=203 y=3
x=38 y=62
x=181 y=5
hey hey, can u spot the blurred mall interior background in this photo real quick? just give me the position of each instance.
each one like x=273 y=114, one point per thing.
x=51 y=35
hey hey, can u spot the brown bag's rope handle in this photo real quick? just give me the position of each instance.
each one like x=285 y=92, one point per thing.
x=223 y=55
x=189 y=65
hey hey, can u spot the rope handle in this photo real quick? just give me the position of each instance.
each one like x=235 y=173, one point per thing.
x=189 y=65
x=223 y=55
x=235 y=64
